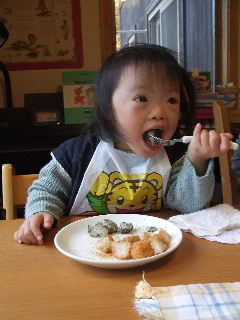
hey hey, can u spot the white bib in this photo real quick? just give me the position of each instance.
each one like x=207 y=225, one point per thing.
x=117 y=181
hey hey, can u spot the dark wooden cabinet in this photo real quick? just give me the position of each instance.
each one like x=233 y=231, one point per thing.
x=28 y=147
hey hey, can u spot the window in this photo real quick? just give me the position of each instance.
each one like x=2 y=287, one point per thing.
x=184 y=26
x=132 y=40
x=165 y=26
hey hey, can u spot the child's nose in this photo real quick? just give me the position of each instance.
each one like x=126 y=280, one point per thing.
x=158 y=112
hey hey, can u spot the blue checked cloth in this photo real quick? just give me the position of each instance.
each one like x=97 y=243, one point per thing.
x=218 y=301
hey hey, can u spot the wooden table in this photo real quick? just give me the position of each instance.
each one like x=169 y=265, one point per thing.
x=38 y=282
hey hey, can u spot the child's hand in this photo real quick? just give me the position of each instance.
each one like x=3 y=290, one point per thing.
x=206 y=145
x=30 y=232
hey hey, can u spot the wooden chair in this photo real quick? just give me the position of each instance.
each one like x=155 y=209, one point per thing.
x=224 y=120
x=14 y=189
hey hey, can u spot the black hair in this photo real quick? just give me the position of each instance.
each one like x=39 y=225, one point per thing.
x=155 y=57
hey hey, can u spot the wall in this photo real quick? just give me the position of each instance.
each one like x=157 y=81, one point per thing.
x=39 y=81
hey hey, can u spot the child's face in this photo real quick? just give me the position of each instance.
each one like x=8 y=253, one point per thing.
x=141 y=103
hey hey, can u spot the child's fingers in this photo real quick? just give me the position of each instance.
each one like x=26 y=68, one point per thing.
x=48 y=220
x=25 y=235
x=205 y=139
x=196 y=135
x=197 y=130
x=18 y=236
x=214 y=140
x=211 y=139
x=30 y=231
x=35 y=223
x=228 y=135
x=225 y=144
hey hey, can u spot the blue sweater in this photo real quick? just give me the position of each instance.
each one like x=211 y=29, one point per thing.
x=59 y=180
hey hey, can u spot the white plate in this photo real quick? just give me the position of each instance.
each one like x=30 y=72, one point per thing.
x=75 y=242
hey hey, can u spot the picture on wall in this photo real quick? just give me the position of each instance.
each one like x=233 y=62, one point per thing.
x=43 y=34
x=79 y=96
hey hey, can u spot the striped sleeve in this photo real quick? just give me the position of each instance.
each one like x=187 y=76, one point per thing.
x=186 y=191
x=50 y=192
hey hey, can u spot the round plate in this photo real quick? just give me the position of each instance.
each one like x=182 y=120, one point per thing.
x=75 y=242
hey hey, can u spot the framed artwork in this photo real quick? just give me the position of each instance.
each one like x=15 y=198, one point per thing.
x=44 y=34
x=79 y=96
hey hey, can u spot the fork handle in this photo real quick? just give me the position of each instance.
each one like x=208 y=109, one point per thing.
x=235 y=146
x=187 y=139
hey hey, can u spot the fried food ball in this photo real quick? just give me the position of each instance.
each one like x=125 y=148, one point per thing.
x=146 y=236
x=134 y=246
x=121 y=249
x=158 y=246
x=164 y=236
x=132 y=238
x=160 y=241
x=142 y=249
x=104 y=244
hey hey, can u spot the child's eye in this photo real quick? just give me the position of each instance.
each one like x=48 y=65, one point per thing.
x=172 y=100
x=141 y=99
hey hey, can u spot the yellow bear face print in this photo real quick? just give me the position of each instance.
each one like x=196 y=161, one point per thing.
x=128 y=193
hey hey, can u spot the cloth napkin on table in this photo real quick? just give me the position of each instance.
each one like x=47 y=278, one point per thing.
x=218 y=301
x=220 y=223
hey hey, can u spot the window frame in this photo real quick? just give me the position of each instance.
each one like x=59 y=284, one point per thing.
x=154 y=12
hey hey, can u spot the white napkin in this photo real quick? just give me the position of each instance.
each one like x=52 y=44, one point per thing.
x=220 y=223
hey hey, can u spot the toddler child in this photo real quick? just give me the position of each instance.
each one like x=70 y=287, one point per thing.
x=115 y=167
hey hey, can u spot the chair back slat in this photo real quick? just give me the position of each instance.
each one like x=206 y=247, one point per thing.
x=14 y=189
x=21 y=184
x=224 y=118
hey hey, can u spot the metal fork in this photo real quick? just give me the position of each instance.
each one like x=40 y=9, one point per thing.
x=185 y=139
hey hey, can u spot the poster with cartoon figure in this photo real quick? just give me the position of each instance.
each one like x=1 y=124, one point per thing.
x=79 y=96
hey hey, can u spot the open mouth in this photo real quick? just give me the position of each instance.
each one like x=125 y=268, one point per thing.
x=151 y=135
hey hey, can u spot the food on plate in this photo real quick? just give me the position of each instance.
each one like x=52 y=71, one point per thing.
x=151 y=229
x=121 y=249
x=142 y=249
x=105 y=244
x=98 y=230
x=132 y=238
x=164 y=236
x=101 y=229
x=112 y=226
x=135 y=247
x=125 y=227
x=160 y=242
